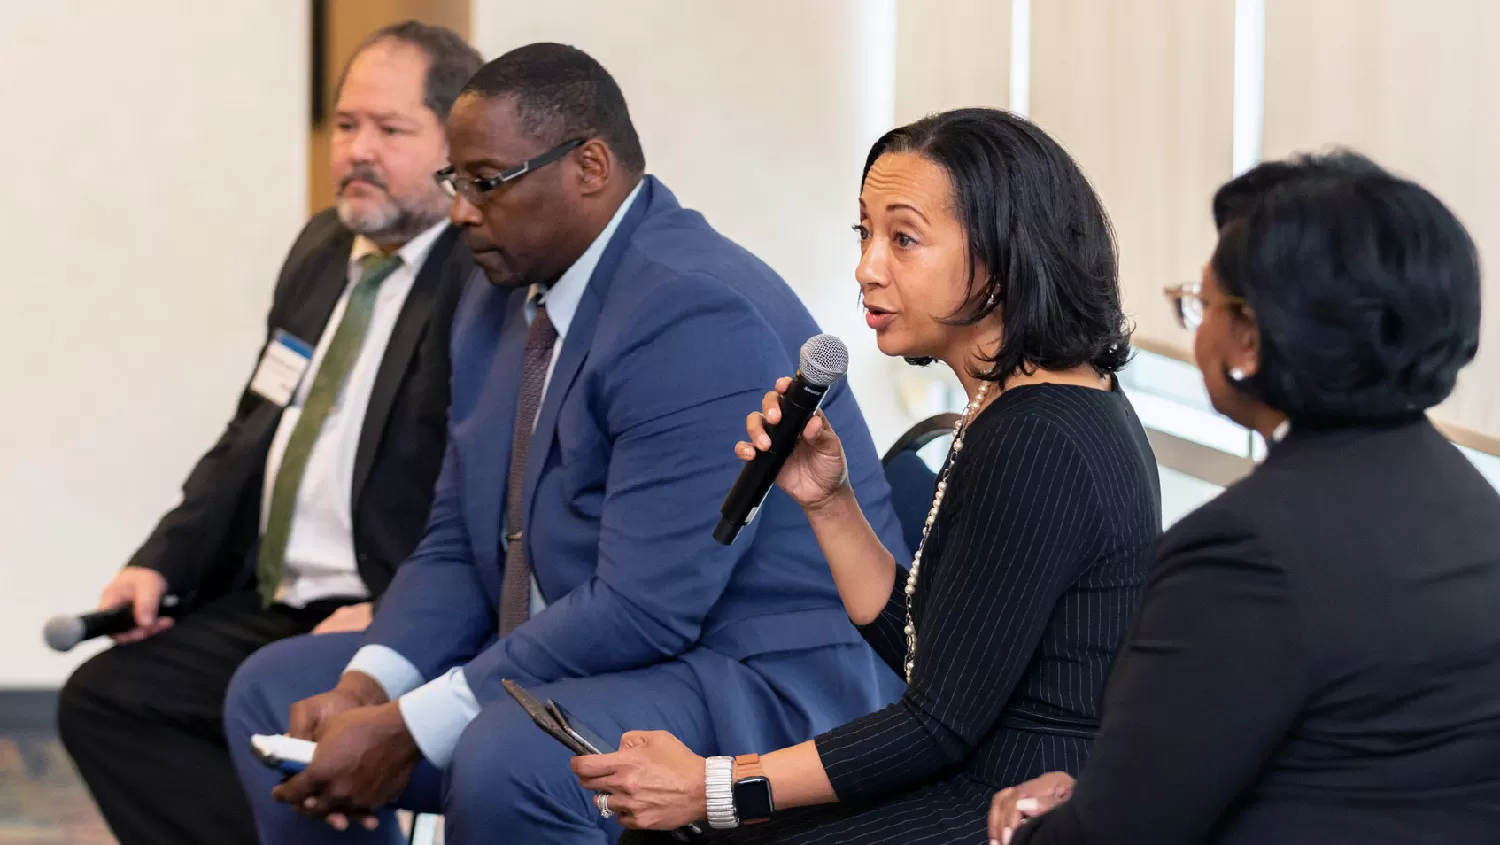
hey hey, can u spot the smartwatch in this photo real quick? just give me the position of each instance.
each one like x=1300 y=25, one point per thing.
x=752 y=792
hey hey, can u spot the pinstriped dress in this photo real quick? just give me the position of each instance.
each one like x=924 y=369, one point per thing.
x=1031 y=574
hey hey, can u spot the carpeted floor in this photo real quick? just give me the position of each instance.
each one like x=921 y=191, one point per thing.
x=42 y=800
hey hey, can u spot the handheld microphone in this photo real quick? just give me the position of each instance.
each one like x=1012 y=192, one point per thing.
x=68 y=630
x=282 y=753
x=824 y=361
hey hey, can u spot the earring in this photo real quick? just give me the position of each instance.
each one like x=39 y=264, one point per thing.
x=989 y=303
x=1236 y=374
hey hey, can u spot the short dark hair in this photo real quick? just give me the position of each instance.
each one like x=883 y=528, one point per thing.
x=563 y=93
x=1037 y=227
x=1364 y=286
x=450 y=60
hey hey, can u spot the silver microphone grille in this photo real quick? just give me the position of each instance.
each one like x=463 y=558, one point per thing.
x=63 y=632
x=825 y=359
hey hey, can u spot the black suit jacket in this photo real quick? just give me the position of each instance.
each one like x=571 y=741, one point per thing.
x=1316 y=660
x=206 y=545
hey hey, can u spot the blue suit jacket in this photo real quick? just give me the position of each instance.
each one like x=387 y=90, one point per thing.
x=679 y=334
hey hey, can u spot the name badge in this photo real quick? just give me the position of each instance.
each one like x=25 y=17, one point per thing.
x=281 y=368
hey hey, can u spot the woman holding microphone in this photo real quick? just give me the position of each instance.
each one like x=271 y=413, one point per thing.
x=983 y=247
x=1317 y=658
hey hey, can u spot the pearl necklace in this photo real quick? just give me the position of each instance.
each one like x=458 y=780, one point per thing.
x=959 y=428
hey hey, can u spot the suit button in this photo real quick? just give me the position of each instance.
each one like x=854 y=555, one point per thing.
x=363 y=558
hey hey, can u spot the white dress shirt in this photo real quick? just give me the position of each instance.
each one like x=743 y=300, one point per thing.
x=437 y=712
x=320 y=561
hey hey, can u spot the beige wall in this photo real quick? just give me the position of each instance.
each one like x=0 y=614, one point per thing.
x=155 y=165
x=759 y=115
x=951 y=54
x=1414 y=85
x=1140 y=92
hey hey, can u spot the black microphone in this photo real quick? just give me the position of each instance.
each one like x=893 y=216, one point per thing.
x=824 y=361
x=65 y=631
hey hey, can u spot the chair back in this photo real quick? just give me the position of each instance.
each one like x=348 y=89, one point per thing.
x=912 y=480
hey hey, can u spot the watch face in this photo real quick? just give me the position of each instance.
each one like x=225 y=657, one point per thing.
x=752 y=799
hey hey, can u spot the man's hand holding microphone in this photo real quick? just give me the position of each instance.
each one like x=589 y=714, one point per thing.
x=142 y=590
x=134 y=605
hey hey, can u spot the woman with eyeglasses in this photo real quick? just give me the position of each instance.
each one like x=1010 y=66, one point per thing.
x=982 y=246
x=1317 y=657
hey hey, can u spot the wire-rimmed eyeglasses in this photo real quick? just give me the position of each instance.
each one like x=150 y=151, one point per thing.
x=1186 y=301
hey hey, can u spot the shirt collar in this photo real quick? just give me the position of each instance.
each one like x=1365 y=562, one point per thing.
x=563 y=296
x=412 y=253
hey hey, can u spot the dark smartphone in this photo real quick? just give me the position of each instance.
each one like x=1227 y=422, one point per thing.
x=545 y=720
x=581 y=732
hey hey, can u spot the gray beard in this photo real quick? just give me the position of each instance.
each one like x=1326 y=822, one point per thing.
x=388 y=225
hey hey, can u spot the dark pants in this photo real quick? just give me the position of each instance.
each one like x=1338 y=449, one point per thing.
x=144 y=723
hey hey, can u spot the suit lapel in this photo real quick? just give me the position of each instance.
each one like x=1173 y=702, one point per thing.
x=309 y=319
x=406 y=335
x=575 y=349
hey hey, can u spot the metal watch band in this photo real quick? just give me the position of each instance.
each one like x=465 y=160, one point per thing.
x=719 y=786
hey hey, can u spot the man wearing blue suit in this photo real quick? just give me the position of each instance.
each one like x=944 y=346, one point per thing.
x=599 y=383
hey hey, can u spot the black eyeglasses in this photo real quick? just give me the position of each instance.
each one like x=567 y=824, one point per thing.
x=474 y=190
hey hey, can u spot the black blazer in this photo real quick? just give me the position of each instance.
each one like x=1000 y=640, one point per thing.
x=206 y=545
x=1316 y=660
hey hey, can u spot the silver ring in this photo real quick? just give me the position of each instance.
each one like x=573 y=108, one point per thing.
x=601 y=800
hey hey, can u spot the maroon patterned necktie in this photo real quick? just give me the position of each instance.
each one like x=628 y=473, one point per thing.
x=515 y=591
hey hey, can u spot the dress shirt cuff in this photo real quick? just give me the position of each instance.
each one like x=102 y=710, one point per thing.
x=394 y=673
x=436 y=713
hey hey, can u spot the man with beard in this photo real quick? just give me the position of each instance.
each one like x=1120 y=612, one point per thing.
x=295 y=520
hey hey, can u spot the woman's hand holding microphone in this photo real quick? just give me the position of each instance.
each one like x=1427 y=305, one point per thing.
x=816 y=476
x=815 y=473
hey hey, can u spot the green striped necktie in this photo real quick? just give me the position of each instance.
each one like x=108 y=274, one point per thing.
x=322 y=396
